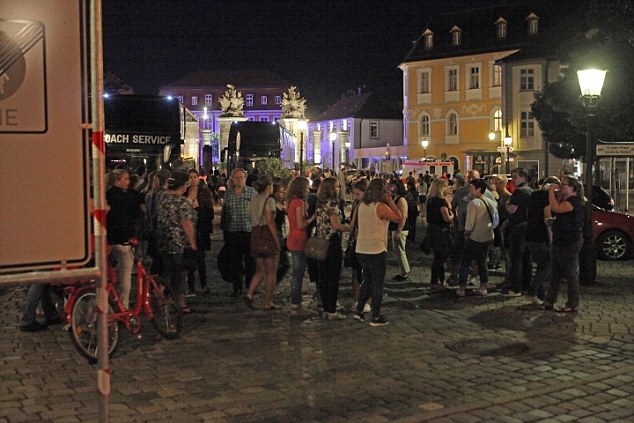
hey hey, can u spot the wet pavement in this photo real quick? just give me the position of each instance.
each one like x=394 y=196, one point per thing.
x=440 y=359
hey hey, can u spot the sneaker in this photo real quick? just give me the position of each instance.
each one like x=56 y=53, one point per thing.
x=513 y=294
x=461 y=292
x=333 y=316
x=399 y=278
x=535 y=300
x=340 y=308
x=379 y=321
x=189 y=293
x=482 y=292
x=358 y=317
x=32 y=327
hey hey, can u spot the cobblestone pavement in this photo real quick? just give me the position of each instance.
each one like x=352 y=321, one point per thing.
x=441 y=359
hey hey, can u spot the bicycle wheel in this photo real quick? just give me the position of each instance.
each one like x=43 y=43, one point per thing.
x=83 y=326
x=167 y=318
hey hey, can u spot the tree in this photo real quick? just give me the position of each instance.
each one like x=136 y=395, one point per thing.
x=607 y=42
x=273 y=167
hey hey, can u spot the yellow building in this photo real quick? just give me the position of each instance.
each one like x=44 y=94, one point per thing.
x=469 y=81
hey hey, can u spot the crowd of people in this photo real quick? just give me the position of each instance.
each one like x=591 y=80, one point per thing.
x=471 y=224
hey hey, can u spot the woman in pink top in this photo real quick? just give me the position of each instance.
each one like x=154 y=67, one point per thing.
x=296 y=241
x=373 y=215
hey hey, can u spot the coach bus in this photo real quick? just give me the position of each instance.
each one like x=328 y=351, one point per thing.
x=149 y=130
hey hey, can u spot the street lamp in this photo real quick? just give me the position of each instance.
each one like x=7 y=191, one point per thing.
x=388 y=156
x=301 y=125
x=425 y=144
x=507 y=142
x=590 y=83
x=333 y=138
x=491 y=136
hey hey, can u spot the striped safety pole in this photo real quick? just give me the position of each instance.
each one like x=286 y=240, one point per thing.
x=99 y=207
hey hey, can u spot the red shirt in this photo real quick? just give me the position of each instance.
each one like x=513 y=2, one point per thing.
x=297 y=237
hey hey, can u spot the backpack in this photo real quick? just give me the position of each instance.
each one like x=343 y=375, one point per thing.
x=495 y=216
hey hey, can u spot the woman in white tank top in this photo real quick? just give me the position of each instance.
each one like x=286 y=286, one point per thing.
x=374 y=215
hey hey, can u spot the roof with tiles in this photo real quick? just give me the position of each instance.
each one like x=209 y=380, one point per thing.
x=240 y=79
x=361 y=106
x=479 y=29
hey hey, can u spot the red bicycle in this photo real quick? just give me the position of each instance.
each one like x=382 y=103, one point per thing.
x=153 y=299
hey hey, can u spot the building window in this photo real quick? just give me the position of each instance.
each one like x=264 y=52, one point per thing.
x=474 y=77
x=497 y=75
x=181 y=99
x=428 y=38
x=452 y=80
x=264 y=119
x=209 y=100
x=425 y=82
x=194 y=100
x=344 y=125
x=264 y=100
x=501 y=25
x=533 y=24
x=278 y=99
x=452 y=124
x=425 y=129
x=527 y=125
x=497 y=121
x=374 y=129
x=527 y=79
x=248 y=100
x=456 y=36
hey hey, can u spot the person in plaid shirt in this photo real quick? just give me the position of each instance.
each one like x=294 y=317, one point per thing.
x=236 y=227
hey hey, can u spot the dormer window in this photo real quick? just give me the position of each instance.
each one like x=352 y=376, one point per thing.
x=501 y=25
x=428 y=38
x=533 y=24
x=456 y=35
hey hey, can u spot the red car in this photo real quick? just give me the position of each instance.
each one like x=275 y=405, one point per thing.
x=613 y=234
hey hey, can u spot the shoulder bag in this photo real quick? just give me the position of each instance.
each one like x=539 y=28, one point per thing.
x=262 y=242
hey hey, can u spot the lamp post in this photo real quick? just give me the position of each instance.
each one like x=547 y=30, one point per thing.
x=590 y=83
x=507 y=142
x=333 y=138
x=301 y=125
x=425 y=144
x=347 y=145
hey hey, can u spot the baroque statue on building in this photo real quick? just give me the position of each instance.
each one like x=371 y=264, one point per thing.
x=293 y=106
x=231 y=103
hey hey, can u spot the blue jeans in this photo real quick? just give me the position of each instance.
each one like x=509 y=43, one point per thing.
x=298 y=266
x=373 y=266
x=38 y=292
x=540 y=251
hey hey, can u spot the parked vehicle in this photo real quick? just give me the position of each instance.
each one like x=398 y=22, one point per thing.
x=613 y=234
x=601 y=198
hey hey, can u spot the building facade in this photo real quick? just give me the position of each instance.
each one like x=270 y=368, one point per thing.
x=469 y=82
x=361 y=129
x=201 y=91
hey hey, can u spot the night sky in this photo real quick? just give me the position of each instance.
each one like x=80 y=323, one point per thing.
x=324 y=47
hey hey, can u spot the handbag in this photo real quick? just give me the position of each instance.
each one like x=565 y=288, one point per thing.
x=316 y=248
x=350 y=256
x=262 y=242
